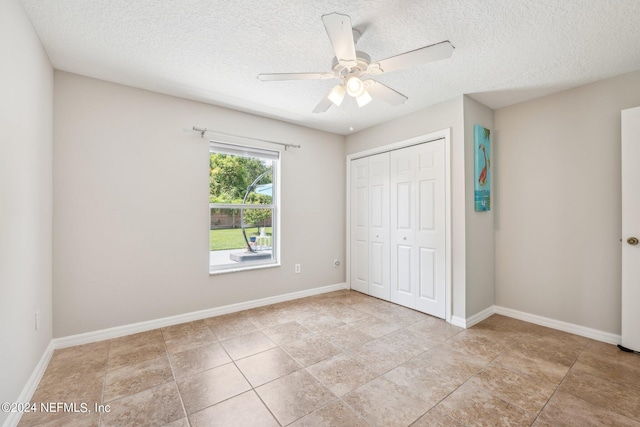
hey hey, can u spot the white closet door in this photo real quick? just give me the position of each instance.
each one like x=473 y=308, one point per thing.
x=360 y=225
x=430 y=228
x=417 y=227
x=379 y=226
x=403 y=226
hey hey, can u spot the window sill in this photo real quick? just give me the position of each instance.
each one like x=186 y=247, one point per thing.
x=235 y=269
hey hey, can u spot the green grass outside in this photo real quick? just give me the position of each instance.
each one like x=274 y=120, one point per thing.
x=231 y=238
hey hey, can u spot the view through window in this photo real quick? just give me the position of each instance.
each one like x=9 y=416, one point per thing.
x=242 y=202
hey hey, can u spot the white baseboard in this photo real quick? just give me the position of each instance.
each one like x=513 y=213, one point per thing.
x=120 y=331
x=459 y=322
x=30 y=387
x=559 y=325
x=572 y=328
x=479 y=317
x=470 y=321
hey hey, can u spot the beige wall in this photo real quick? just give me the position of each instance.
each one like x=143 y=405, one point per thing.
x=557 y=172
x=120 y=153
x=448 y=114
x=26 y=92
x=480 y=233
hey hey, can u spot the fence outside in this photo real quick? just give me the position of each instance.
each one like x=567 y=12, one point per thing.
x=232 y=220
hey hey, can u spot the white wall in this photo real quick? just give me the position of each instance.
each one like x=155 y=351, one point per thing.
x=448 y=114
x=480 y=233
x=26 y=92
x=557 y=175
x=131 y=213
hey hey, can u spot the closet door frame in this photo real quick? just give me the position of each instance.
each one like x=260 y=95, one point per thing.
x=442 y=134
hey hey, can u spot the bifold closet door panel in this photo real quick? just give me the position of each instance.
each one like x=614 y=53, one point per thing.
x=379 y=226
x=431 y=229
x=418 y=227
x=402 y=172
x=359 y=225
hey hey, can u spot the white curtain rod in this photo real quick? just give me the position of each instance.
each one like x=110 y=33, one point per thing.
x=205 y=130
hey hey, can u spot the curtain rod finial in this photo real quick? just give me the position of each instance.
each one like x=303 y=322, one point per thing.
x=202 y=131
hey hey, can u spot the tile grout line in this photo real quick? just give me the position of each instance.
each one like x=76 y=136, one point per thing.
x=337 y=398
x=344 y=350
x=305 y=368
x=253 y=389
x=378 y=376
x=444 y=342
x=578 y=397
x=293 y=358
x=538 y=413
x=561 y=381
x=104 y=381
x=316 y=333
x=455 y=389
x=340 y=398
x=405 y=327
x=175 y=380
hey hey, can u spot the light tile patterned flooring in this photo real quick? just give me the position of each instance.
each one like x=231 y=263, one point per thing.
x=343 y=359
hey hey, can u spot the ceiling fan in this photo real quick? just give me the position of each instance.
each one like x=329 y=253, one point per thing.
x=354 y=68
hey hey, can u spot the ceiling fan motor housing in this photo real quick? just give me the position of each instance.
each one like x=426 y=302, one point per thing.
x=354 y=68
x=342 y=68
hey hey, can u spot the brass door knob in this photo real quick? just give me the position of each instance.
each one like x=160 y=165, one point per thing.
x=632 y=241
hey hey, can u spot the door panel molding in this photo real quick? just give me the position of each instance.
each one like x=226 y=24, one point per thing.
x=630 y=228
x=425 y=161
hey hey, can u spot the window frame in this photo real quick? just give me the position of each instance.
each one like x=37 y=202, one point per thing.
x=244 y=149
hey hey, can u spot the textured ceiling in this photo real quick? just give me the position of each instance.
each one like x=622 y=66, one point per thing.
x=507 y=51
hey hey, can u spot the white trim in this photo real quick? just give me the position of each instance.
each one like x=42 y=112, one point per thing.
x=248 y=266
x=459 y=322
x=276 y=202
x=120 y=331
x=448 y=293
x=429 y=137
x=479 y=317
x=559 y=325
x=32 y=384
x=420 y=139
x=242 y=150
x=30 y=387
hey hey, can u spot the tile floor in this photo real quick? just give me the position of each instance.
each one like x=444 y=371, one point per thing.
x=342 y=359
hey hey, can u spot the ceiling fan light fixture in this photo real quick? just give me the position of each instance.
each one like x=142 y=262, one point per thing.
x=355 y=86
x=364 y=99
x=337 y=95
x=354 y=69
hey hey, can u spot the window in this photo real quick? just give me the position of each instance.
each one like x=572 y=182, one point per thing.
x=243 y=203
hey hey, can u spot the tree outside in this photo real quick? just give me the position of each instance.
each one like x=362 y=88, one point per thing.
x=229 y=178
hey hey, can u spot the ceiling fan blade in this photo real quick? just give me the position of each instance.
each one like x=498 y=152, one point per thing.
x=323 y=105
x=294 y=76
x=340 y=33
x=431 y=53
x=385 y=93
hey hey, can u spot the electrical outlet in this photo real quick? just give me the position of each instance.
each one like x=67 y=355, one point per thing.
x=297 y=268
